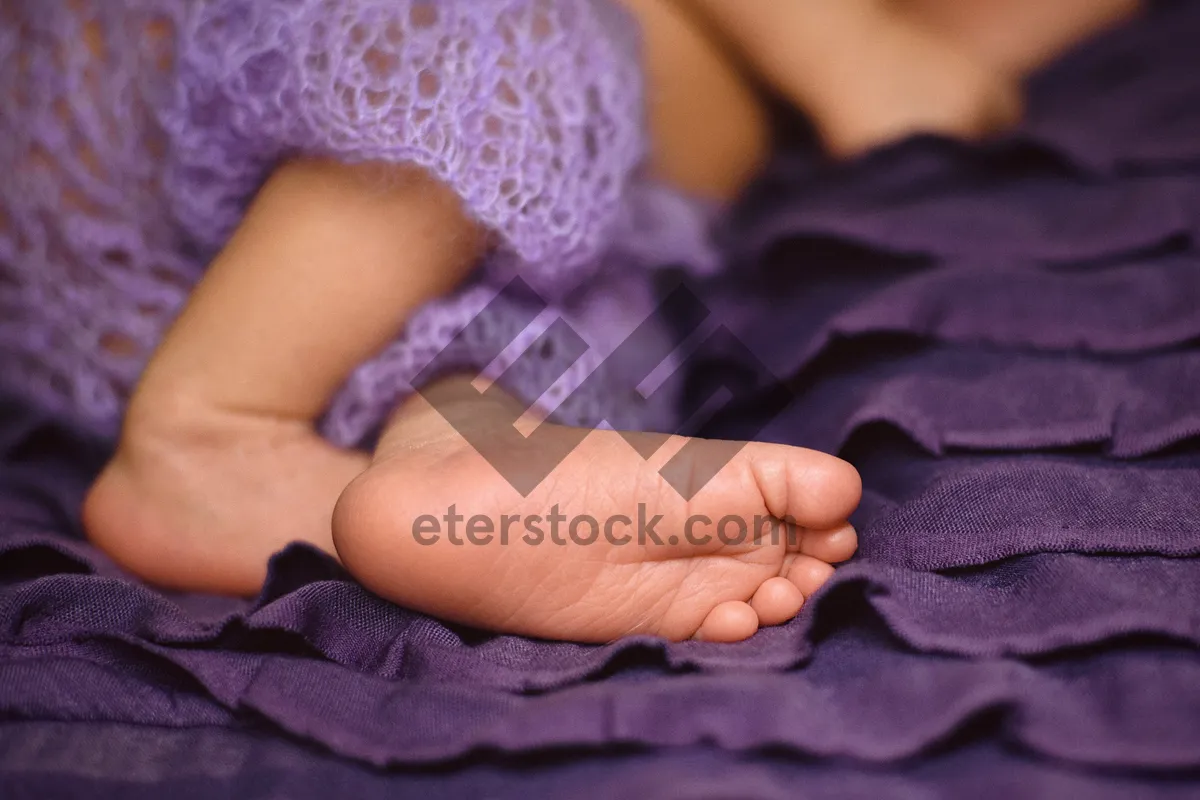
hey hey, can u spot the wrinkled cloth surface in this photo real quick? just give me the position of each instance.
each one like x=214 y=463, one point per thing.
x=1002 y=338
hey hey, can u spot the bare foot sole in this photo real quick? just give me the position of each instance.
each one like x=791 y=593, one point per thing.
x=604 y=546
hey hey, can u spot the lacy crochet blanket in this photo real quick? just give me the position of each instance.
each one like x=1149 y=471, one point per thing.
x=133 y=134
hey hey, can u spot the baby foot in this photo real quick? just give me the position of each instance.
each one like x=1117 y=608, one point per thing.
x=604 y=546
x=903 y=80
x=201 y=502
x=1020 y=36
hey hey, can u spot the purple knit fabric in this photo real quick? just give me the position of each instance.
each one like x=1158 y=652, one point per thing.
x=1020 y=398
x=133 y=135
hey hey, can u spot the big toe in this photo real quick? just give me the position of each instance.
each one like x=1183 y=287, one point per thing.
x=806 y=488
x=810 y=489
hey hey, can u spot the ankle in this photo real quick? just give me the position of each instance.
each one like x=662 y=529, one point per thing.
x=443 y=411
x=161 y=421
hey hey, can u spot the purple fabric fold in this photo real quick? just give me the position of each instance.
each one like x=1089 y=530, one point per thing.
x=98 y=760
x=836 y=295
x=933 y=514
x=971 y=398
x=1037 y=605
x=1150 y=71
x=947 y=210
x=860 y=696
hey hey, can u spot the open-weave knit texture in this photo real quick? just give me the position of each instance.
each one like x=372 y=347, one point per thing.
x=133 y=135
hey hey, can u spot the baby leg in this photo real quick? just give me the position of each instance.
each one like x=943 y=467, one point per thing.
x=218 y=465
x=709 y=126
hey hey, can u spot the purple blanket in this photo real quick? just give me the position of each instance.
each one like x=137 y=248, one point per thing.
x=1003 y=339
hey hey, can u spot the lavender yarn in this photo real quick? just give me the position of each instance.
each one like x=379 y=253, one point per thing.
x=133 y=135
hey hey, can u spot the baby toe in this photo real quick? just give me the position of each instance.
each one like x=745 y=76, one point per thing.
x=731 y=621
x=777 y=601
x=808 y=574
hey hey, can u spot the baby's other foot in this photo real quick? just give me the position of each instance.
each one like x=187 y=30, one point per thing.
x=200 y=502
x=1020 y=36
x=904 y=80
x=604 y=546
